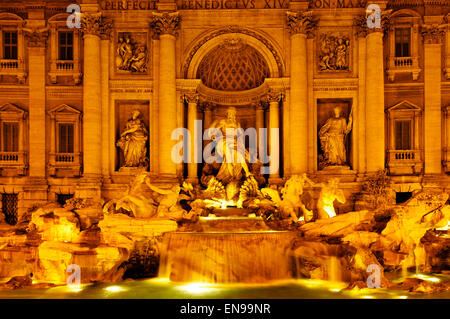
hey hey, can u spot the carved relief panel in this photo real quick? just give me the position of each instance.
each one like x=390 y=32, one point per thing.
x=334 y=52
x=132 y=53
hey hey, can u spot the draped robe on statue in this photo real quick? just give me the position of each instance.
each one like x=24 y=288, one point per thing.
x=332 y=138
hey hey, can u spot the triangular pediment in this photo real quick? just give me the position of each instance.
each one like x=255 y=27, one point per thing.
x=64 y=109
x=11 y=108
x=405 y=106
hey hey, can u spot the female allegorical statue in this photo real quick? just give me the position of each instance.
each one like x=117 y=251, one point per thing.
x=133 y=141
x=332 y=138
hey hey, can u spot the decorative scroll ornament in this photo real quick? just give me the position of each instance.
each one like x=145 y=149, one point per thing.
x=432 y=34
x=96 y=24
x=36 y=38
x=166 y=23
x=301 y=22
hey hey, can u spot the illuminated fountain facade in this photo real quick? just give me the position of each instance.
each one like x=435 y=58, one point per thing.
x=352 y=172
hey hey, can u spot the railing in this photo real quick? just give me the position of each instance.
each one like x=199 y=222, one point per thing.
x=65 y=65
x=9 y=65
x=65 y=158
x=14 y=160
x=404 y=155
x=404 y=62
x=9 y=157
x=67 y=162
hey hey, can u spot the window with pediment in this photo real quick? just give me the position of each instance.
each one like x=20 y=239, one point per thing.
x=65 y=149
x=404 y=145
x=404 y=44
x=12 y=47
x=13 y=157
x=64 y=51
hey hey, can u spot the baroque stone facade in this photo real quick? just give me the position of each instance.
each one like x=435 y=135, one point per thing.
x=66 y=93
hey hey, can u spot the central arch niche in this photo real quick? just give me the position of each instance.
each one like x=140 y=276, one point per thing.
x=233 y=66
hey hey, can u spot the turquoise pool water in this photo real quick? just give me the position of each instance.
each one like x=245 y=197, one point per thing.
x=157 y=288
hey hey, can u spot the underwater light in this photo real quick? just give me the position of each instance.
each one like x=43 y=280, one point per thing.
x=114 y=289
x=427 y=278
x=402 y=297
x=334 y=290
x=368 y=297
x=195 y=288
x=74 y=288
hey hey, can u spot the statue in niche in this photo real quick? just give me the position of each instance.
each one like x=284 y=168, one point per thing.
x=133 y=141
x=332 y=139
x=334 y=53
x=235 y=169
x=131 y=56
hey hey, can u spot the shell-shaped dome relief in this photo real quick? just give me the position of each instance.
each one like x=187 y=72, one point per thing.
x=233 y=66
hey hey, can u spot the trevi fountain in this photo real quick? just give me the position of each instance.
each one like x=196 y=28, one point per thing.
x=231 y=235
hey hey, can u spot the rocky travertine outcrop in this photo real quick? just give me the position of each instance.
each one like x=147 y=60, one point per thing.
x=56 y=237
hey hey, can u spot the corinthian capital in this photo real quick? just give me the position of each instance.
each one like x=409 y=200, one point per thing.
x=432 y=34
x=95 y=24
x=191 y=97
x=274 y=95
x=301 y=22
x=36 y=38
x=166 y=23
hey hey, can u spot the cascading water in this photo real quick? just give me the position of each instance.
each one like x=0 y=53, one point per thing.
x=227 y=257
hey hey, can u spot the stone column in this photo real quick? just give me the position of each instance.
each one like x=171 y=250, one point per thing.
x=300 y=25
x=166 y=26
x=432 y=92
x=37 y=100
x=375 y=131
x=107 y=139
x=259 y=109
x=359 y=124
x=93 y=26
x=192 y=100
x=35 y=190
x=207 y=118
x=274 y=98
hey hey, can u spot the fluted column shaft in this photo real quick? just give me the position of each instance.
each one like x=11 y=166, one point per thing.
x=166 y=25
x=375 y=137
x=93 y=26
x=259 y=123
x=107 y=140
x=300 y=25
x=191 y=118
x=432 y=92
x=37 y=74
x=92 y=106
x=274 y=123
